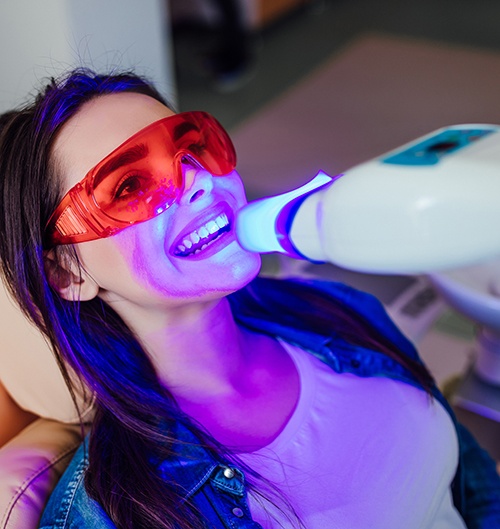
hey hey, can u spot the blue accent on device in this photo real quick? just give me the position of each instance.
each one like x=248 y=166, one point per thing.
x=431 y=150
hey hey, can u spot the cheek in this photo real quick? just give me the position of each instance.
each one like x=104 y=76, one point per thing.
x=102 y=260
x=124 y=267
x=139 y=250
x=131 y=255
x=234 y=185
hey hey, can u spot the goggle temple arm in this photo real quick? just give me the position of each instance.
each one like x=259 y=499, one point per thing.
x=73 y=221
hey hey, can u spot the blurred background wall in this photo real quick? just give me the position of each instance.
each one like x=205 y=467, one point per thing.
x=40 y=39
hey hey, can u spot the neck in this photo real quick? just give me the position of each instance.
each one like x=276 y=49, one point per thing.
x=198 y=350
x=241 y=386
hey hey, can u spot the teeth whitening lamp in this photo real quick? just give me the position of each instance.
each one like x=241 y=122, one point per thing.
x=432 y=204
x=430 y=207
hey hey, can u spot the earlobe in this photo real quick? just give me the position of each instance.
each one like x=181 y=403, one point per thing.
x=69 y=280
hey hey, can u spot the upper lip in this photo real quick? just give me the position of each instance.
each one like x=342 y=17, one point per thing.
x=208 y=215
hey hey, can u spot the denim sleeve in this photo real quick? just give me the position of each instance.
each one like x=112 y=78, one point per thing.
x=482 y=484
x=69 y=506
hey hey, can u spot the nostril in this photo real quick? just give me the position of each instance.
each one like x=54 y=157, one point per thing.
x=197 y=195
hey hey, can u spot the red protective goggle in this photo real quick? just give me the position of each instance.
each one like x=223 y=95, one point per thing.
x=141 y=178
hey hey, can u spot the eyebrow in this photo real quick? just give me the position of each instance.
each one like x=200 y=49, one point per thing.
x=134 y=154
x=182 y=129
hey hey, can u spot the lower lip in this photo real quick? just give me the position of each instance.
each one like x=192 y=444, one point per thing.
x=220 y=243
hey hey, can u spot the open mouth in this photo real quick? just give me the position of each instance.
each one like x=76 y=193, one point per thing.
x=202 y=237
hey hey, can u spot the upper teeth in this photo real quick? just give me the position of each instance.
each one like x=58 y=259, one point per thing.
x=203 y=232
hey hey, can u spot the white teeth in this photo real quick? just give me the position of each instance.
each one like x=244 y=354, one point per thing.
x=222 y=221
x=212 y=226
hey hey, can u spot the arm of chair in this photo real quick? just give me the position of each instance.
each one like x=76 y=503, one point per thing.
x=30 y=466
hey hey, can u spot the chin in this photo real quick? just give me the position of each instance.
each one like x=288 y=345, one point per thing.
x=242 y=271
x=239 y=273
x=253 y=268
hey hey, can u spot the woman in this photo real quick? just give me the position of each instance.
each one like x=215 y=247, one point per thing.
x=117 y=239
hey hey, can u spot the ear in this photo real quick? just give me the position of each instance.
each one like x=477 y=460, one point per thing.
x=69 y=280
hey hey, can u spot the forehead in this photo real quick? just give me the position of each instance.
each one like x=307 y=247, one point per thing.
x=98 y=128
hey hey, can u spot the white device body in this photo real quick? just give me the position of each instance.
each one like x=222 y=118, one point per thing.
x=410 y=211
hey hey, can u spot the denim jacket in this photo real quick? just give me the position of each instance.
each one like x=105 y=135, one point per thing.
x=220 y=493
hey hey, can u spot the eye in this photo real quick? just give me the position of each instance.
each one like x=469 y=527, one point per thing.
x=130 y=185
x=197 y=148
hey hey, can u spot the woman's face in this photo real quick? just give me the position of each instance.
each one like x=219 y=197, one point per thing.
x=144 y=265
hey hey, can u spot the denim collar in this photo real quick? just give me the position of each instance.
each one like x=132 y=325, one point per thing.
x=193 y=464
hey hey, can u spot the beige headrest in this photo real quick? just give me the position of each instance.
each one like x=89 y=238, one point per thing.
x=32 y=463
x=28 y=369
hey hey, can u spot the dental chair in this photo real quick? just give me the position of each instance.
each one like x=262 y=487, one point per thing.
x=32 y=462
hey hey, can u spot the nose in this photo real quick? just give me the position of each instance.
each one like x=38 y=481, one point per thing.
x=197 y=182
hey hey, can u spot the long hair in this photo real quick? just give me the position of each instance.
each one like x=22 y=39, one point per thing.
x=136 y=417
x=300 y=305
x=89 y=337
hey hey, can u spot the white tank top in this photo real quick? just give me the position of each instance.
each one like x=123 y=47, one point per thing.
x=359 y=453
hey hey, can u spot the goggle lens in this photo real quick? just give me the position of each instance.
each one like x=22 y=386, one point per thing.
x=141 y=178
